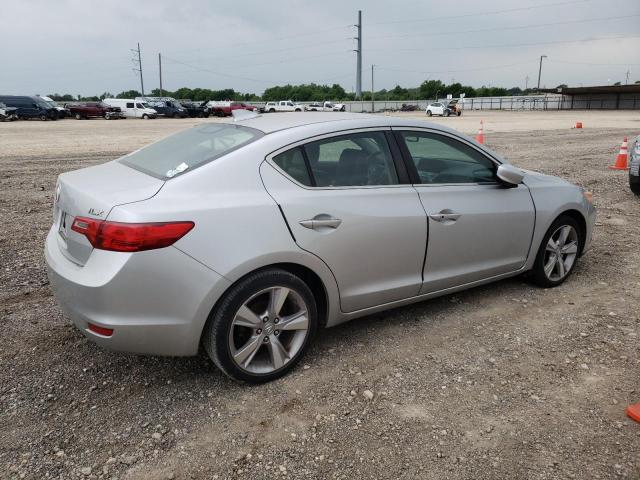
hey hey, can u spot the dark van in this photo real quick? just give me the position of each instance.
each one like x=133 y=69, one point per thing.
x=30 y=107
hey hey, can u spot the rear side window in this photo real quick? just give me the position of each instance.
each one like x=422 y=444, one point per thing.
x=129 y=104
x=292 y=162
x=189 y=149
x=359 y=159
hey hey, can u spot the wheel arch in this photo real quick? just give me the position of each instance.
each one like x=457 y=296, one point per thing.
x=305 y=273
x=582 y=223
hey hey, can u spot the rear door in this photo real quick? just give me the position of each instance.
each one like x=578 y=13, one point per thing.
x=347 y=199
x=478 y=228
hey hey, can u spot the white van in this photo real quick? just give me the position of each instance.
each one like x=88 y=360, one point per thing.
x=132 y=108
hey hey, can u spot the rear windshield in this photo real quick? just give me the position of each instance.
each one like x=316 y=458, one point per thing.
x=189 y=149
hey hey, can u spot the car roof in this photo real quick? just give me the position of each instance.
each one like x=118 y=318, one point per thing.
x=274 y=122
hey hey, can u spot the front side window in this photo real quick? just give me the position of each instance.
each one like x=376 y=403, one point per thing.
x=439 y=159
x=189 y=149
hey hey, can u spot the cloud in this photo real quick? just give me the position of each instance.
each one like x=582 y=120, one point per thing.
x=83 y=46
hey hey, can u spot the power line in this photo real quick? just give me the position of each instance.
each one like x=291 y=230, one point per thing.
x=475 y=47
x=484 y=13
x=503 y=28
x=395 y=69
x=287 y=37
x=594 y=64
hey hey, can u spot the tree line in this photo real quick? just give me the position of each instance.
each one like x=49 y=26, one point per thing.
x=312 y=92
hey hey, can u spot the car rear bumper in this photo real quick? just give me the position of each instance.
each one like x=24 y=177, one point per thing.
x=156 y=302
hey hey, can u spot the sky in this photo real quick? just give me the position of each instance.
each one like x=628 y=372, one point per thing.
x=84 y=46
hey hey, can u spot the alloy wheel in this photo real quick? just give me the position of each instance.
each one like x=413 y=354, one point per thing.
x=560 y=253
x=268 y=330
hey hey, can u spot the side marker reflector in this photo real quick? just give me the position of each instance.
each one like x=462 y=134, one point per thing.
x=105 y=332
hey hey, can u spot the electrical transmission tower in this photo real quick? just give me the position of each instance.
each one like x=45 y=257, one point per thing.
x=138 y=66
x=359 y=57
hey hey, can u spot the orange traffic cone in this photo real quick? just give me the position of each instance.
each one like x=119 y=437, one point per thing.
x=480 y=135
x=633 y=412
x=621 y=159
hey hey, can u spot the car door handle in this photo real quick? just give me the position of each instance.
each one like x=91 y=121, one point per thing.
x=321 y=221
x=445 y=216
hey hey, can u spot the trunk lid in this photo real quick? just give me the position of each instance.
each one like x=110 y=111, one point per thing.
x=92 y=192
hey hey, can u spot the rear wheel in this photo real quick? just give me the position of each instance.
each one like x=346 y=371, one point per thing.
x=558 y=252
x=429 y=113
x=78 y=116
x=43 y=118
x=262 y=326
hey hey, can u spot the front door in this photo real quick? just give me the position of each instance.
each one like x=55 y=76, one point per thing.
x=345 y=202
x=478 y=228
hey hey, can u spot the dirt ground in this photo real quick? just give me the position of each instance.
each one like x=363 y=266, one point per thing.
x=503 y=381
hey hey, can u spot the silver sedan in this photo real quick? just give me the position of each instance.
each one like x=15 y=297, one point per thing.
x=248 y=237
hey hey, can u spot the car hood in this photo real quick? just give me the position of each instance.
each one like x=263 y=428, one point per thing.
x=534 y=178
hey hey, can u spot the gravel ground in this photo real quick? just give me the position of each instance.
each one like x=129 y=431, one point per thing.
x=503 y=381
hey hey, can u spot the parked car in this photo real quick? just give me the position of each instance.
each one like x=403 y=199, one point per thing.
x=325 y=107
x=454 y=107
x=196 y=109
x=30 y=107
x=634 y=168
x=171 y=262
x=7 y=114
x=94 y=109
x=408 y=107
x=131 y=108
x=282 y=106
x=61 y=111
x=165 y=106
x=437 y=108
x=225 y=108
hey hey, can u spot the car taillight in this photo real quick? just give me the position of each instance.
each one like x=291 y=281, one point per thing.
x=130 y=237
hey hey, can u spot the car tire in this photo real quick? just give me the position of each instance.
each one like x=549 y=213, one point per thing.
x=447 y=113
x=540 y=275
x=272 y=110
x=145 y=117
x=429 y=113
x=634 y=186
x=43 y=118
x=225 y=340
x=78 y=116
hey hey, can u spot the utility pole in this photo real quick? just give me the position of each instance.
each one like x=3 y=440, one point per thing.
x=526 y=82
x=540 y=70
x=160 y=70
x=373 y=92
x=138 y=62
x=626 y=82
x=359 y=57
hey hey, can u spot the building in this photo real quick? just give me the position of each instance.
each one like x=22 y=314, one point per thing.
x=606 y=97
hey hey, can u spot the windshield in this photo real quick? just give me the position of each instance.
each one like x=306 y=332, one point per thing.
x=189 y=149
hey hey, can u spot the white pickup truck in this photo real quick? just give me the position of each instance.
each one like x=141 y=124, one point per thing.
x=325 y=107
x=282 y=106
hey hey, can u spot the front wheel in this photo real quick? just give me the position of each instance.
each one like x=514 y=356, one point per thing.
x=429 y=113
x=145 y=117
x=447 y=113
x=78 y=116
x=262 y=326
x=558 y=252
x=43 y=118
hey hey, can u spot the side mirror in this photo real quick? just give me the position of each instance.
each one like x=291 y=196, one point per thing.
x=510 y=175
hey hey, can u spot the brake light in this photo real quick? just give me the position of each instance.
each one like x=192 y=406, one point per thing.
x=130 y=237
